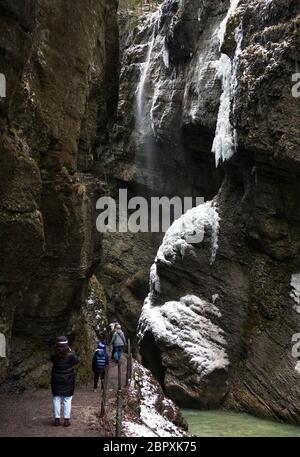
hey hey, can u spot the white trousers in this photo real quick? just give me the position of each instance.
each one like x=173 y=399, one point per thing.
x=67 y=401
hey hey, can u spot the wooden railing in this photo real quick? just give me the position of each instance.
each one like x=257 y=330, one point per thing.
x=119 y=405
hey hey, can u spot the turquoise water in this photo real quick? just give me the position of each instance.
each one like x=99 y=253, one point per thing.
x=230 y=424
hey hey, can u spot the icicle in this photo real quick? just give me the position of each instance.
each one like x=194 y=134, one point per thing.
x=225 y=141
x=166 y=55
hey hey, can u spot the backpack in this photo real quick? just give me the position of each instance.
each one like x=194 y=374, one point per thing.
x=100 y=360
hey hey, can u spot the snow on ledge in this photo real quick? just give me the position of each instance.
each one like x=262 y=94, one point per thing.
x=190 y=225
x=186 y=325
x=295 y=292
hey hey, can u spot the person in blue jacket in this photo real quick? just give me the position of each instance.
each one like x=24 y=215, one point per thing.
x=99 y=364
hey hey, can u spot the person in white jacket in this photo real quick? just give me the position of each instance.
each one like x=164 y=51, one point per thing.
x=118 y=342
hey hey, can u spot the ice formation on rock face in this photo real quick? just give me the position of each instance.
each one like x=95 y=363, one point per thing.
x=154 y=279
x=223 y=25
x=186 y=324
x=166 y=56
x=295 y=293
x=2 y=345
x=190 y=226
x=224 y=143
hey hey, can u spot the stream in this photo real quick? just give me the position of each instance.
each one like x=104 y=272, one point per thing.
x=231 y=424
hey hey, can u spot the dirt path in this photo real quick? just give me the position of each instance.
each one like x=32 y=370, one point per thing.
x=30 y=413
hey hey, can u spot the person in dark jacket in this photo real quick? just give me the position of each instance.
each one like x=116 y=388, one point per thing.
x=63 y=379
x=118 y=342
x=99 y=364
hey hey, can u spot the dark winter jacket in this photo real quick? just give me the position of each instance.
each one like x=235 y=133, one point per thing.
x=100 y=361
x=118 y=339
x=63 y=376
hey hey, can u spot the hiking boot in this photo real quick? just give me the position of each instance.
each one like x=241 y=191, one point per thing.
x=56 y=422
x=67 y=423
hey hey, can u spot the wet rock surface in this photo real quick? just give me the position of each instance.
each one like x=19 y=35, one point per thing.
x=61 y=87
x=257 y=194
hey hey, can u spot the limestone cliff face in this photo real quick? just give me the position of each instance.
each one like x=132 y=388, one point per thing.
x=240 y=310
x=60 y=60
x=153 y=150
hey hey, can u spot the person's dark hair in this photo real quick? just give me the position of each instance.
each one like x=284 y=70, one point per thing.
x=62 y=350
x=62 y=346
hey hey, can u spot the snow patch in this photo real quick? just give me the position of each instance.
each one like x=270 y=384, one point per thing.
x=186 y=324
x=132 y=429
x=148 y=413
x=154 y=409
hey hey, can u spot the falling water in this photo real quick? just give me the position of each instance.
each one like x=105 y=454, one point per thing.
x=148 y=89
x=224 y=143
x=152 y=23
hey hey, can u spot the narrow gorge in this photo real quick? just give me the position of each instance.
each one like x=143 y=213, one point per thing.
x=174 y=99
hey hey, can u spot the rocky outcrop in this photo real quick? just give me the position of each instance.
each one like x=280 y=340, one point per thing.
x=60 y=60
x=147 y=412
x=237 y=314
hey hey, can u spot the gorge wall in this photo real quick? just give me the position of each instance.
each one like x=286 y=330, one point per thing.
x=61 y=61
x=205 y=108
x=205 y=84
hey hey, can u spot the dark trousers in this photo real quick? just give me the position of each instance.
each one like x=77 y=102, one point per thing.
x=97 y=375
x=113 y=353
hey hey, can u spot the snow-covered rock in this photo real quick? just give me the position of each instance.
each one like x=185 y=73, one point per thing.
x=148 y=413
x=186 y=326
x=188 y=230
x=184 y=330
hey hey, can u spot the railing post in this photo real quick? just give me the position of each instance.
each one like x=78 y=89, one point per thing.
x=119 y=375
x=103 y=399
x=119 y=414
x=119 y=403
x=128 y=368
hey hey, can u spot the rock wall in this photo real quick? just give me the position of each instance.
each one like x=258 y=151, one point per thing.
x=240 y=311
x=60 y=60
x=153 y=150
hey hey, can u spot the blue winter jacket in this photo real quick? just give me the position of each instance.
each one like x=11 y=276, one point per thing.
x=100 y=361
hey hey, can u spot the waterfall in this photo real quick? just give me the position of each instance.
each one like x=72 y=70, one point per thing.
x=152 y=23
x=224 y=144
